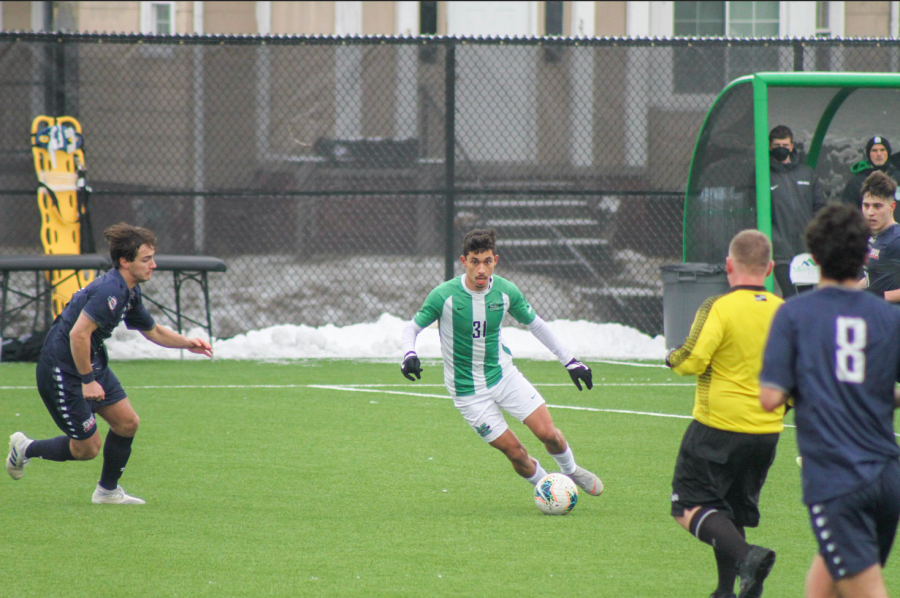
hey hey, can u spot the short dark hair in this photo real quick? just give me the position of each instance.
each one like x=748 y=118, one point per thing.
x=838 y=240
x=479 y=240
x=126 y=240
x=752 y=250
x=878 y=184
x=781 y=132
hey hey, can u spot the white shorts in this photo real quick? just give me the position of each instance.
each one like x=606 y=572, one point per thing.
x=514 y=394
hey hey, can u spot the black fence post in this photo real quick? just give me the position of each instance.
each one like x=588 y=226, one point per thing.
x=798 y=55
x=449 y=158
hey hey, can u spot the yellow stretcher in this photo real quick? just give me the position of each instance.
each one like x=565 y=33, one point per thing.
x=58 y=150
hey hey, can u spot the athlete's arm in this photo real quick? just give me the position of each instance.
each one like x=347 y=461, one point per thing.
x=170 y=339
x=408 y=337
x=695 y=355
x=80 y=345
x=771 y=398
x=411 y=365
x=538 y=327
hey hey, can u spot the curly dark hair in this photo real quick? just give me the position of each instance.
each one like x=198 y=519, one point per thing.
x=479 y=240
x=838 y=240
x=781 y=132
x=125 y=241
x=879 y=185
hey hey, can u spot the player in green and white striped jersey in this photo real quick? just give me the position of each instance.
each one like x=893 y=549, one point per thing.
x=478 y=370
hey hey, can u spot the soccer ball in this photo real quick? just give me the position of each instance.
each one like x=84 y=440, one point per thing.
x=555 y=494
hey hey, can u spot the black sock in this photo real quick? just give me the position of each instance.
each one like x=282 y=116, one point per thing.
x=52 y=449
x=717 y=530
x=727 y=569
x=116 y=451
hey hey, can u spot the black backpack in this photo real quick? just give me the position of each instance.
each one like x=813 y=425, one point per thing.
x=24 y=348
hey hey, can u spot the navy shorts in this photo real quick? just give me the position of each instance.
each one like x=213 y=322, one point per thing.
x=62 y=396
x=722 y=470
x=856 y=530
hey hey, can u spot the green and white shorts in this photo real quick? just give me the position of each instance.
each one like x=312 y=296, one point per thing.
x=514 y=394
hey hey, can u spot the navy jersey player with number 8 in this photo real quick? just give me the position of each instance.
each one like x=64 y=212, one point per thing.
x=836 y=351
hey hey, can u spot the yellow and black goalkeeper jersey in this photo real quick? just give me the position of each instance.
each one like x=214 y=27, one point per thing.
x=725 y=349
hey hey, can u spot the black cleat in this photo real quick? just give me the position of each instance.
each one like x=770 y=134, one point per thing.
x=728 y=595
x=754 y=569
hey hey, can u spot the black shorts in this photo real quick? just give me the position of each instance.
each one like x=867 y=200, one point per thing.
x=856 y=530
x=62 y=396
x=722 y=470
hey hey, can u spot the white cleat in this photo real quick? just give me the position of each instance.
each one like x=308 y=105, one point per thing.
x=102 y=496
x=16 y=461
x=587 y=481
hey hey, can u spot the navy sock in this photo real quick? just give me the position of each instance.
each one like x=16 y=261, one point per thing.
x=116 y=451
x=717 y=530
x=52 y=449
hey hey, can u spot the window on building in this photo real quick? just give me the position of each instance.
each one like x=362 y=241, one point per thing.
x=737 y=19
x=752 y=19
x=158 y=18
x=694 y=19
x=823 y=19
x=707 y=71
x=553 y=18
x=428 y=18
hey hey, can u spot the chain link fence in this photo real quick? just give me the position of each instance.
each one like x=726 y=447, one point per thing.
x=337 y=176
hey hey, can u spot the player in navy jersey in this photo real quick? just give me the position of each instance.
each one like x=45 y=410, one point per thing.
x=882 y=269
x=73 y=375
x=836 y=352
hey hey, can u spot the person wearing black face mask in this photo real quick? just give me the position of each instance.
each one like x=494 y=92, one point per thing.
x=796 y=197
x=877 y=157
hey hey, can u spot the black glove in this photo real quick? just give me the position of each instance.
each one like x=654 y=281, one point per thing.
x=580 y=373
x=411 y=365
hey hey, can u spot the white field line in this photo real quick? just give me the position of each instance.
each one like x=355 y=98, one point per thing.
x=376 y=388
x=190 y=386
x=348 y=388
x=637 y=365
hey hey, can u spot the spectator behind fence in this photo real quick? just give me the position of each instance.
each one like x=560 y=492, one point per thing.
x=877 y=158
x=796 y=197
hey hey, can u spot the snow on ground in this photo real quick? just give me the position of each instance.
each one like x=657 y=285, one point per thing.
x=381 y=340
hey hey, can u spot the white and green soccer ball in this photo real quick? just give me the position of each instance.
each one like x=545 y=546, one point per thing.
x=555 y=494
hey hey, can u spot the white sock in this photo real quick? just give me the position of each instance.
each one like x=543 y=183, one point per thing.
x=538 y=473
x=566 y=461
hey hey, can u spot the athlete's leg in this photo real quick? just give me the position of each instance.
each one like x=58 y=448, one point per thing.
x=61 y=394
x=868 y=583
x=818 y=581
x=123 y=425
x=541 y=425
x=527 y=467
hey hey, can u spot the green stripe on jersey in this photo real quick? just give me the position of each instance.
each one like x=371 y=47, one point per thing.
x=470 y=323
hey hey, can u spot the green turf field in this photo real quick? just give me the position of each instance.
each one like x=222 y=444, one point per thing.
x=263 y=479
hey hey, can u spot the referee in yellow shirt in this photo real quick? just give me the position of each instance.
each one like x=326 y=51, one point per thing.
x=729 y=446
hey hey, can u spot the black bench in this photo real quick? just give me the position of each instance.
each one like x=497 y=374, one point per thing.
x=183 y=268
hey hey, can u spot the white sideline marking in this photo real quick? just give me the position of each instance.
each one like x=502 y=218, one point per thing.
x=384 y=392
x=375 y=388
x=348 y=388
x=637 y=365
x=189 y=386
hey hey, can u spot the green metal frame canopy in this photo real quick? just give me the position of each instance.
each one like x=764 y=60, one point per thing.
x=738 y=92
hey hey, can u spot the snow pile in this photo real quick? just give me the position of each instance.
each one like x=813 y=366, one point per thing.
x=381 y=340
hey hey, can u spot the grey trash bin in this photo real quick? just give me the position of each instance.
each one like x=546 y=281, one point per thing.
x=685 y=287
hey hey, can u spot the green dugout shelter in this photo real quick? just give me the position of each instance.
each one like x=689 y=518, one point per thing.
x=832 y=115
